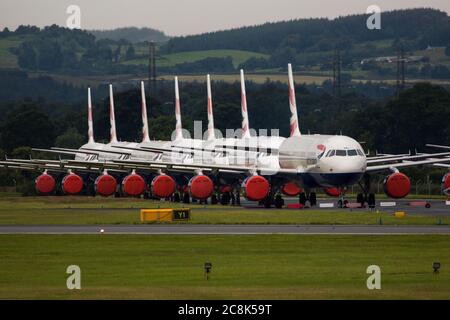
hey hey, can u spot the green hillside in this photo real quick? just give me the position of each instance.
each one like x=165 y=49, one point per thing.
x=7 y=58
x=311 y=45
x=169 y=60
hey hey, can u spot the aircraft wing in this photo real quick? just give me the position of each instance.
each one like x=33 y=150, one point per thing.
x=407 y=157
x=53 y=165
x=205 y=166
x=387 y=156
x=388 y=166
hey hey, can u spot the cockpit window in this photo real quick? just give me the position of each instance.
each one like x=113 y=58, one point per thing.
x=352 y=152
x=360 y=153
x=341 y=153
x=332 y=153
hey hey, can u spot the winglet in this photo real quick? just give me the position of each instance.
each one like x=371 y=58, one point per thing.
x=145 y=136
x=112 y=118
x=178 y=127
x=211 y=134
x=90 y=122
x=245 y=124
x=295 y=131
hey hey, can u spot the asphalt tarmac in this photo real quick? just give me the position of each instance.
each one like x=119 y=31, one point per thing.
x=226 y=229
x=416 y=206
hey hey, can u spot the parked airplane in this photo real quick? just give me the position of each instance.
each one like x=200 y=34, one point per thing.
x=263 y=167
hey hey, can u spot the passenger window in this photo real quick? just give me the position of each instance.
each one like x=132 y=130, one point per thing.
x=341 y=153
x=351 y=152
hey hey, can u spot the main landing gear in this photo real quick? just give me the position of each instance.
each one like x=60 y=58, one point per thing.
x=367 y=196
x=307 y=197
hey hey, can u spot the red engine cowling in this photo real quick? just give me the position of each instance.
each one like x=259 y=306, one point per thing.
x=291 y=189
x=256 y=188
x=163 y=186
x=105 y=185
x=133 y=185
x=225 y=188
x=45 y=184
x=397 y=185
x=332 y=192
x=446 y=184
x=72 y=184
x=201 y=187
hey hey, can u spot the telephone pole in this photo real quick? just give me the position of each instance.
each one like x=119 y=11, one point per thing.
x=152 y=68
x=400 y=70
x=337 y=73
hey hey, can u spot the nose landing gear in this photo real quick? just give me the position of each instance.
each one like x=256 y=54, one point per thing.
x=367 y=196
x=307 y=196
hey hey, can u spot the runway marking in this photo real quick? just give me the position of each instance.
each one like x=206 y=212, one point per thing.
x=192 y=229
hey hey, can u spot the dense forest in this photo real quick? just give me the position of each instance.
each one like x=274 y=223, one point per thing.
x=310 y=42
x=422 y=26
x=392 y=124
x=131 y=34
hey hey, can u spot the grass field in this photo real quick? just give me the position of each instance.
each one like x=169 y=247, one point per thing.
x=244 y=267
x=255 y=77
x=88 y=210
x=7 y=59
x=169 y=60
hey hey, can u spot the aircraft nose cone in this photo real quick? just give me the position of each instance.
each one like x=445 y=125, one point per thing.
x=348 y=165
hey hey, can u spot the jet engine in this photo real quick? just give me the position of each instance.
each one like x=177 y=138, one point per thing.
x=201 y=187
x=332 y=192
x=291 y=189
x=163 y=186
x=133 y=185
x=105 y=185
x=397 y=185
x=72 y=184
x=446 y=184
x=45 y=184
x=256 y=188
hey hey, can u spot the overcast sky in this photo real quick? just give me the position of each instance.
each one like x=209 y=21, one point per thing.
x=181 y=17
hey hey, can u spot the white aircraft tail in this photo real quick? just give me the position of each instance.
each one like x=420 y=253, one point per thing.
x=112 y=118
x=295 y=131
x=211 y=134
x=145 y=136
x=90 y=122
x=245 y=125
x=178 y=127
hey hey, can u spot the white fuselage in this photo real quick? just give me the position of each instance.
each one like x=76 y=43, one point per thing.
x=320 y=160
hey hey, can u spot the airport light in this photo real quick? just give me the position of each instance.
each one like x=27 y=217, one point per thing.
x=208 y=267
x=436 y=267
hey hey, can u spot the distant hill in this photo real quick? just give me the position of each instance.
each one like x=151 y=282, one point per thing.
x=131 y=34
x=310 y=44
x=422 y=27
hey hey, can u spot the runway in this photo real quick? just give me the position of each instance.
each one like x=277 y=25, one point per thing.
x=196 y=229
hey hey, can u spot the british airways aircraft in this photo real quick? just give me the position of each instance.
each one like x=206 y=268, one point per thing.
x=262 y=167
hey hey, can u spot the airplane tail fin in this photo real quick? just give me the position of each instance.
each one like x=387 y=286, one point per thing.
x=145 y=136
x=112 y=118
x=211 y=134
x=245 y=125
x=295 y=131
x=178 y=127
x=90 y=122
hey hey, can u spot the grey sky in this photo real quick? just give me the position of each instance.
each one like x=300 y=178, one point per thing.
x=181 y=17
